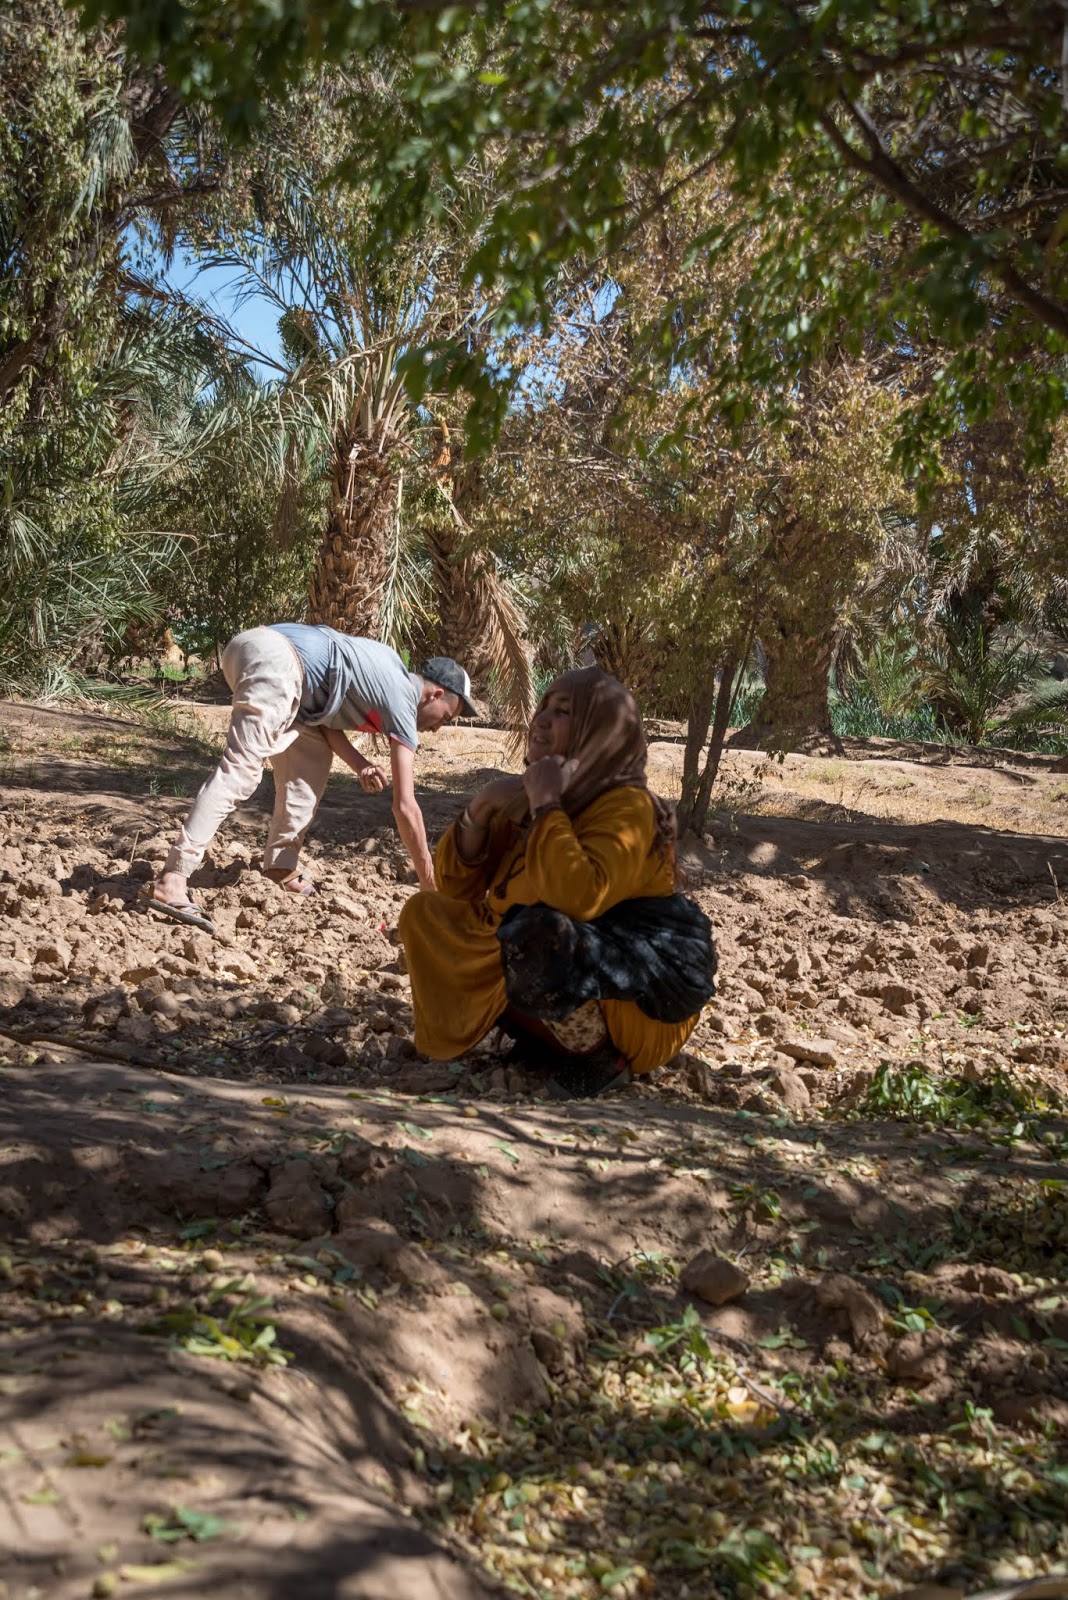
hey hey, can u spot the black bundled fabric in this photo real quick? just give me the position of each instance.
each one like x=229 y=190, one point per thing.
x=656 y=951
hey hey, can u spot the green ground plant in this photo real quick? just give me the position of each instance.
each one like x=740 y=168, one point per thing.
x=916 y=1094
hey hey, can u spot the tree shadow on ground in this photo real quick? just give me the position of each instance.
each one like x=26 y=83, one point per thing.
x=574 y=1198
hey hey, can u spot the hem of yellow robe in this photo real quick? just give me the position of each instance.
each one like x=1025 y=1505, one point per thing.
x=645 y=1043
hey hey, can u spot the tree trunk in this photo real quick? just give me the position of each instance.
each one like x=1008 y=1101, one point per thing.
x=479 y=624
x=795 y=710
x=697 y=784
x=352 y=566
x=697 y=726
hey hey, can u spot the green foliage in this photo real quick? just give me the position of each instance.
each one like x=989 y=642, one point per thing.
x=241 y=1332
x=988 y=684
x=184 y=1522
x=102 y=378
x=898 y=189
x=686 y=1338
x=861 y=717
x=63 y=144
x=891 y=673
x=915 y=1094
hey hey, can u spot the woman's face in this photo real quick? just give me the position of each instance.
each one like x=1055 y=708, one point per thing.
x=550 y=731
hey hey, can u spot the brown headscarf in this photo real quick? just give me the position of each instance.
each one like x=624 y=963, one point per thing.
x=608 y=742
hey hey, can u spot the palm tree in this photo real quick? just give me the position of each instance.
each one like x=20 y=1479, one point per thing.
x=988 y=683
x=84 y=548
x=480 y=620
x=348 y=314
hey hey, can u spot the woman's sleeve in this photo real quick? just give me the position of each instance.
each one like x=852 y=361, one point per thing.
x=583 y=865
x=464 y=880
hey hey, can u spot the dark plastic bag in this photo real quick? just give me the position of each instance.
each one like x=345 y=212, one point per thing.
x=656 y=951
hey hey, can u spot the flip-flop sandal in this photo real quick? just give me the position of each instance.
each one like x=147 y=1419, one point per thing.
x=181 y=911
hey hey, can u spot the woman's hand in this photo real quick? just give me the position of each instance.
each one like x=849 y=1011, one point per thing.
x=495 y=797
x=545 y=780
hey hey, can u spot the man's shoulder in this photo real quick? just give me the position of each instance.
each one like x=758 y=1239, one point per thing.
x=372 y=651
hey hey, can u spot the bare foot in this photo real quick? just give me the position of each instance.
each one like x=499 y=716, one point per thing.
x=172 y=887
x=291 y=882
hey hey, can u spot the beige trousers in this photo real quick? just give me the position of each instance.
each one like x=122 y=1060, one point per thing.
x=265 y=674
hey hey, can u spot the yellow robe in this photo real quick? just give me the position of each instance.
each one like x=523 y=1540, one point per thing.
x=581 y=866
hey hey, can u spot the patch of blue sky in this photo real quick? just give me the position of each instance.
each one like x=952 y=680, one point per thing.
x=543 y=381
x=251 y=318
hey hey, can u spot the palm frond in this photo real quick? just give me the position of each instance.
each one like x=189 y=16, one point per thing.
x=402 y=601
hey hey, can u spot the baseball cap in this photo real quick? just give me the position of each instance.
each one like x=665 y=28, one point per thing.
x=448 y=674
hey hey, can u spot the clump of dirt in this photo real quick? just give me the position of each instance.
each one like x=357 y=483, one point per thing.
x=288 y=1309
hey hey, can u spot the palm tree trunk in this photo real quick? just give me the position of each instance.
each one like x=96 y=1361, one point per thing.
x=352 y=566
x=795 y=710
x=479 y=624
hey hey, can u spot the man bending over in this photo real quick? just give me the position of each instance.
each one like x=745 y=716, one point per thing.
x=298 y=690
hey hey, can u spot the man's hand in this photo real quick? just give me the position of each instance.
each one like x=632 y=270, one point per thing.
x=546 y=780
x=407 y=814
x=372 y=779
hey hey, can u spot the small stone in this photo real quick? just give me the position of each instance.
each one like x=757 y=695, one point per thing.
x=54 y=952
x=346 y=906
x=297 y=1203
x=149 y=991
x=165 y=1004
x=988 y=1280
x=550 y=1350
x=896 y=997
x=235 y=963
x=41 y=886
x=864 y=1313
x=713 y=1278
x=918 y=1357
x=14 y=982
x=701 y=1079
x=134 y=976
x=787 y=1084
x=327 y=1051
x=288 y=1015
x=823 y=1052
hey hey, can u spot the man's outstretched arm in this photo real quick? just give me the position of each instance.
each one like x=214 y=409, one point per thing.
x=408 y=816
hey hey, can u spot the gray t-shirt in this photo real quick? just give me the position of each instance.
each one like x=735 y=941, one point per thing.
x=357 y=685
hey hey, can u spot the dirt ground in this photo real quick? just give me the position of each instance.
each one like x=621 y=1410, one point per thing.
x=289 y=1311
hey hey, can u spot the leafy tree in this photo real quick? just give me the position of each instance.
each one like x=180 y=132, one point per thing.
x=934 y=131
x=348 y=309
x=91 y=146
x=80 y=541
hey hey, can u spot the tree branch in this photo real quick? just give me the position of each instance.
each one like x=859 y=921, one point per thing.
x=883 y=170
